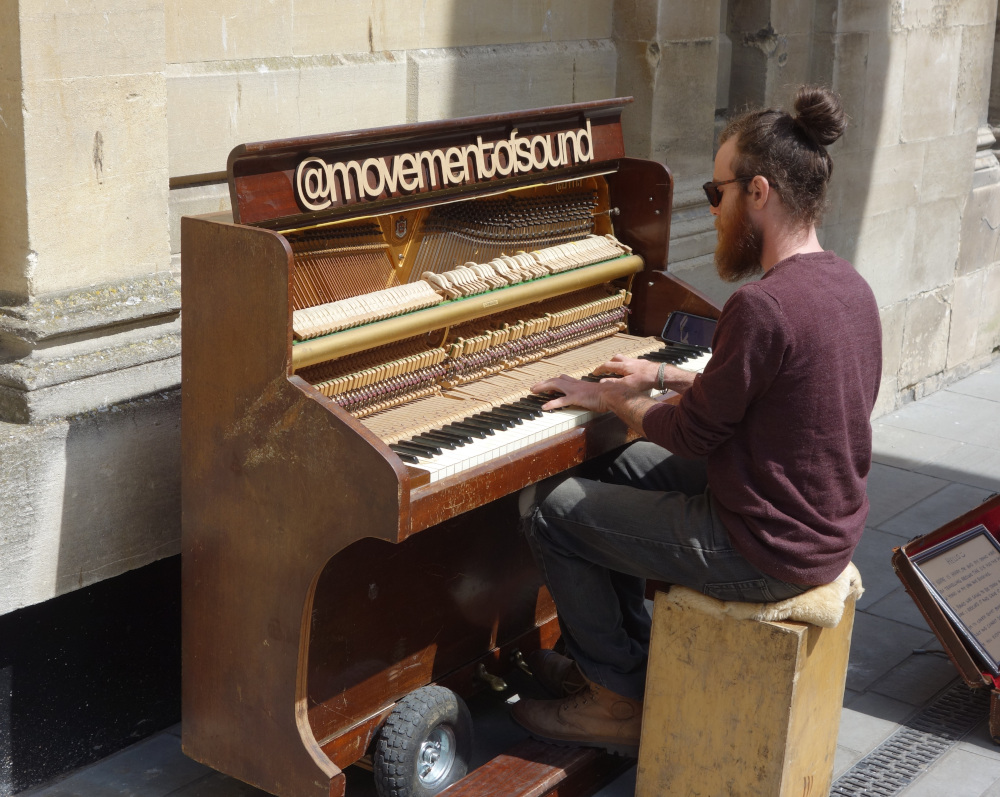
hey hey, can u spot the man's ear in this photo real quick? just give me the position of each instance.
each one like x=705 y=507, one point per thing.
x=760 y=191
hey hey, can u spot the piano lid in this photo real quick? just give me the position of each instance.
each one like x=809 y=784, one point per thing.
x=302 y=181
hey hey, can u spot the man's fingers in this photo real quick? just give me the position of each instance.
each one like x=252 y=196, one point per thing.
x=556 y=403
x=610 y=368
x=557 y=384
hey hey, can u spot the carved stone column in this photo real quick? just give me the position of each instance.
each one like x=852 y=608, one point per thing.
x=772 y=45
x=89 y=309
x=975 y=329
x=668 y=59
x=987 y=167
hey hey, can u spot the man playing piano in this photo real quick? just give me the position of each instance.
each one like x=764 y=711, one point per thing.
x=752 y=487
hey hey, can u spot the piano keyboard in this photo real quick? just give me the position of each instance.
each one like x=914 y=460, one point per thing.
x=489 y=434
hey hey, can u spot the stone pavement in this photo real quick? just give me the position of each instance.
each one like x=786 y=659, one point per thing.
x=934 y=460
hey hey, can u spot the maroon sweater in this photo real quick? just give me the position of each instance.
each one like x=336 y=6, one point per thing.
x=782 y=414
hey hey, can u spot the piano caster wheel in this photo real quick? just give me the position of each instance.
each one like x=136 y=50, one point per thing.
x=424 y=746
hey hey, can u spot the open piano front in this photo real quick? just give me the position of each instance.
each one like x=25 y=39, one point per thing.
x=374 y=294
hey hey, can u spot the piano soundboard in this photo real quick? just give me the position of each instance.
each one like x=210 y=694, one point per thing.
x=360 y=340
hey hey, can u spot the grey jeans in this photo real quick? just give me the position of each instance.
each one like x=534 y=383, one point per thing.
x=648 y=514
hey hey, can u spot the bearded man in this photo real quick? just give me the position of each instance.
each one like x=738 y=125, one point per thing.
x=752 y=487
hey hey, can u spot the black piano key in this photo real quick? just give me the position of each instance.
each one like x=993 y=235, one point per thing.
x=476 y=431
x=495 y=420
x=513 y=412
x=419 y=449
x=528 y=407
x=665 y=357
x=538 y=401
x=413 y=460
x=406 y=454
x=444 y=441
x=452 y=435
x=509 y=415
x=686 y=347
x=431 y=445
x=476 y=423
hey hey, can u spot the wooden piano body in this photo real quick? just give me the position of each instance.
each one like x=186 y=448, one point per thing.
x=323 y=578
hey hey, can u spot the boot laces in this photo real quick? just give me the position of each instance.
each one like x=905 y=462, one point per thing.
x=582 y=698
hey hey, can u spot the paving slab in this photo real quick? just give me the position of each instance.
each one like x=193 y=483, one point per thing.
x=917 y=679
x=899 y=606
x=218 y=785
x=844 y=759
x=956 y=416
x=873 y=558
x=985 y=384
x=881 y=707
x=878 y=645
x=978 y=466
x=905 y=448
x=979 y=741
x=862 y=732
x=893 y=490
x=958 y=773
x=154 y=767
x=934 y=511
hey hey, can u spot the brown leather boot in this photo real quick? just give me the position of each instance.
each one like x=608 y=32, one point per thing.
x=557 y=673
x=594 y=717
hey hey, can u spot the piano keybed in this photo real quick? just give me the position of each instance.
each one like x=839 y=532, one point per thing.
x=483 y=395
x=477 y=423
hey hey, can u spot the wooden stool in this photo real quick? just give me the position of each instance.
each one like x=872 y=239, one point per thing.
x=744 y=699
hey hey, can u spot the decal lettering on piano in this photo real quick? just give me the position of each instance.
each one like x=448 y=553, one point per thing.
x=320 y=185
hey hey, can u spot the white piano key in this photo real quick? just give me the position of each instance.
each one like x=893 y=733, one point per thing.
x=529 y=432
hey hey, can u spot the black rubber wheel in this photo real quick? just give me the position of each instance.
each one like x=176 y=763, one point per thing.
x=425 y=744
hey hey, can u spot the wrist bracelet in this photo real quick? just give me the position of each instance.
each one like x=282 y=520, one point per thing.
x=659 y=377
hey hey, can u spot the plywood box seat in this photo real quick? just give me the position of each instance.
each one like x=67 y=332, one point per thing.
x=744 y=699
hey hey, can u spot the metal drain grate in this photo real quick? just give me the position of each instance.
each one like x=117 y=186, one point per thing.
x=900 y=759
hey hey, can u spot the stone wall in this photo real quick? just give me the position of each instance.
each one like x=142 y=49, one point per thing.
x=89 y=329
x=247 y=74
x=914 y=199
x=910 y=203
x=118 y=115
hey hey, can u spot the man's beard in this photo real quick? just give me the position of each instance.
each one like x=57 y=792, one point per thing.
x=738 y=253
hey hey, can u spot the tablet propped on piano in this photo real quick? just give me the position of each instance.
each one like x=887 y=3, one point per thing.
x=383 y=295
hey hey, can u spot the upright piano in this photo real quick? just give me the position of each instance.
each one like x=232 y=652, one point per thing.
x=359 y=342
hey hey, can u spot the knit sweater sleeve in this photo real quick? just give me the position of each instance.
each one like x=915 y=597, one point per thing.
x=747 y=352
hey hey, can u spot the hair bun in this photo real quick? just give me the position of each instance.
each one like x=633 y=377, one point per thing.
x=820 y=114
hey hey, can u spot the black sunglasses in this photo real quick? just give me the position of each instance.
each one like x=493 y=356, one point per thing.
x=714 y=194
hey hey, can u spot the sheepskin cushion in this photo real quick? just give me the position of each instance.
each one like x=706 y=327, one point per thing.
x=822 y=606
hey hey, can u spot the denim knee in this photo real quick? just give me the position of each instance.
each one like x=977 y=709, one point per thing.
x=526 y=501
